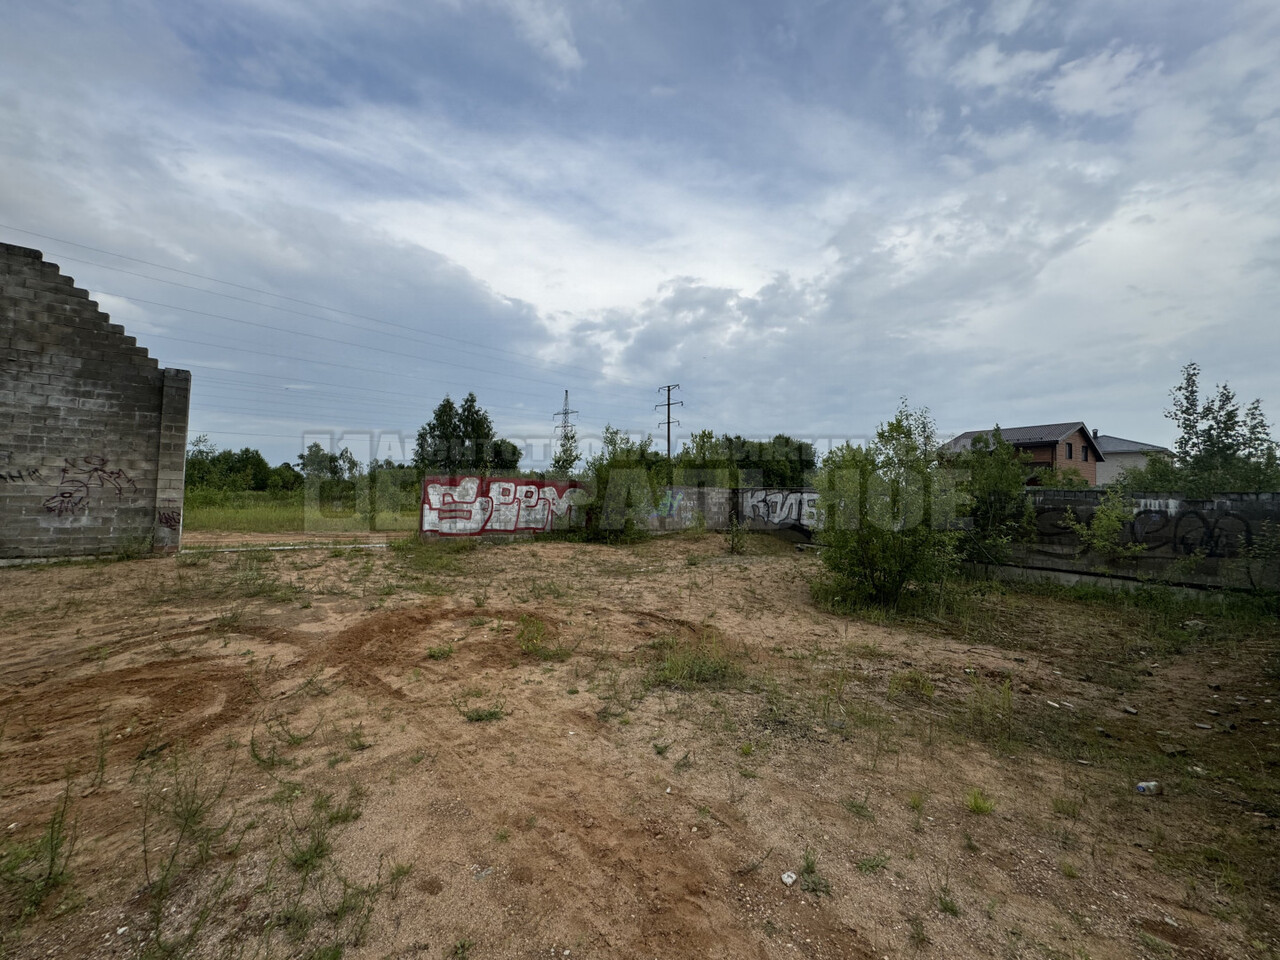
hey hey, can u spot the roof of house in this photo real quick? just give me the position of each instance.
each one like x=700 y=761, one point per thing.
x=1109 y=444
x=1044 y=433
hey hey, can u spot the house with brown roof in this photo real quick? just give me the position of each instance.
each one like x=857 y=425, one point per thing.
x=1052 y=446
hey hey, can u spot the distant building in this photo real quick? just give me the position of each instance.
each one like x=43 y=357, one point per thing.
x=1121 y=454
x=93 y=432
x=1052 y=446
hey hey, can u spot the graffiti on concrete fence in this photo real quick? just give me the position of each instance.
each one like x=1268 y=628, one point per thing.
x=77 y=476
x=467 y=506
x=1165 y=530
x=781 y=508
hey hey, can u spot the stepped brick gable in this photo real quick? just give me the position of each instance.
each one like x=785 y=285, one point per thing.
x=93 y=432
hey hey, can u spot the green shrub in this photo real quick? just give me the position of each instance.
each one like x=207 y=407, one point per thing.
x=886 y=507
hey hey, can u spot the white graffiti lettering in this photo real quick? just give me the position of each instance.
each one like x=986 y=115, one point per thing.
x=468 y=506
x=782 y=507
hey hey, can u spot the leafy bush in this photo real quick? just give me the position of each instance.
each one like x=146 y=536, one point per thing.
x=886 y=507
x=1109 y=532
x=625 y=475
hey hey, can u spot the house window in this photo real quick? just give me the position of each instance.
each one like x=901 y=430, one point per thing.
x=1068 y=451
x=1084 y=454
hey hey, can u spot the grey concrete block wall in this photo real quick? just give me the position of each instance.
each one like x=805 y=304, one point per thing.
x=93 y=432
x=680 y=508
x=1228 y=540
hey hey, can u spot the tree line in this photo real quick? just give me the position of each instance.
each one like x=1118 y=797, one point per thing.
x=460 y=439
x=1222 y=447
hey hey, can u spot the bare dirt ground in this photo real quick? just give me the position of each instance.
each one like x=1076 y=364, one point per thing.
x=553 y=749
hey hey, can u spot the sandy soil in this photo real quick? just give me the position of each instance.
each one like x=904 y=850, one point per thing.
x=269 y=754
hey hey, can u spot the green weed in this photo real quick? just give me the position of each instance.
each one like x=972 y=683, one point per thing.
x=32 y=872
x=811 y=881
x=871 y=864
x=977 y=802
x=947 y=903
x=688 y=664
x=911 y=683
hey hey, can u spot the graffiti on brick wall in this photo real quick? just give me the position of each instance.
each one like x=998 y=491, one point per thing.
x=468 y=506
x=21 y=475
x=12 y=474
x=169 y=515
x=781 y=508
x=1169 y=530
x=79 y=476
x=678 y=507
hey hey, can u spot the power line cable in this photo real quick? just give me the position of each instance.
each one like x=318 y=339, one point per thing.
x=295 y=359
x=268 y=293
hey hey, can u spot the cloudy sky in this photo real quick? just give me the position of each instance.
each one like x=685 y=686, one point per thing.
x=334 y=213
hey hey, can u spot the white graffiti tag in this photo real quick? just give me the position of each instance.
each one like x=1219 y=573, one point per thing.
x=782 y=507
x=467 y=506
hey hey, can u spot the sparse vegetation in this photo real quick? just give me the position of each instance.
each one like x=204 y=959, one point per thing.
x=531 y=636
x=701 y=661
x=947 y=902
x=976 y=801
x=811 y=881
x=858 y=808
x=872 y=863
x=911 y=683
x=30 y=873
x=744 y=693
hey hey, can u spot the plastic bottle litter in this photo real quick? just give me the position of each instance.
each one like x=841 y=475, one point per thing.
x=1149 y=787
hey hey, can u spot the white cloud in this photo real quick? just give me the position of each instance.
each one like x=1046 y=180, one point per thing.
x=1007 y=16
x=797 y=260
x=546 y=27
x=1108 y=83
x=989 y=67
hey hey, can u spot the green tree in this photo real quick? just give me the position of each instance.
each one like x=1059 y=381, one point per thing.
x=567 y=454
x=733 y=461
x=993 y=472
x=460 y=440
x=475 y=427
x=230 y=470
x=200 y=454
x=626 y=475
x=886 y=509
x=284 y=478
x=1220 y=448
x=439 y=445
x=318 y=464
x=704 y=459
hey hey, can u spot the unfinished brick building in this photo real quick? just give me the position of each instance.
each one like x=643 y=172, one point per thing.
x=93 y=432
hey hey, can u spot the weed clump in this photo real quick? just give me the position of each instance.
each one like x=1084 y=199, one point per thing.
x=811 y=881
x=977 y=802
x=688 y=664
x=532 y=638
x=31 y=872
x=911 y=683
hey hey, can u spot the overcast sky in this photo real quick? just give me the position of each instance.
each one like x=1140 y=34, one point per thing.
x=334 y=213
